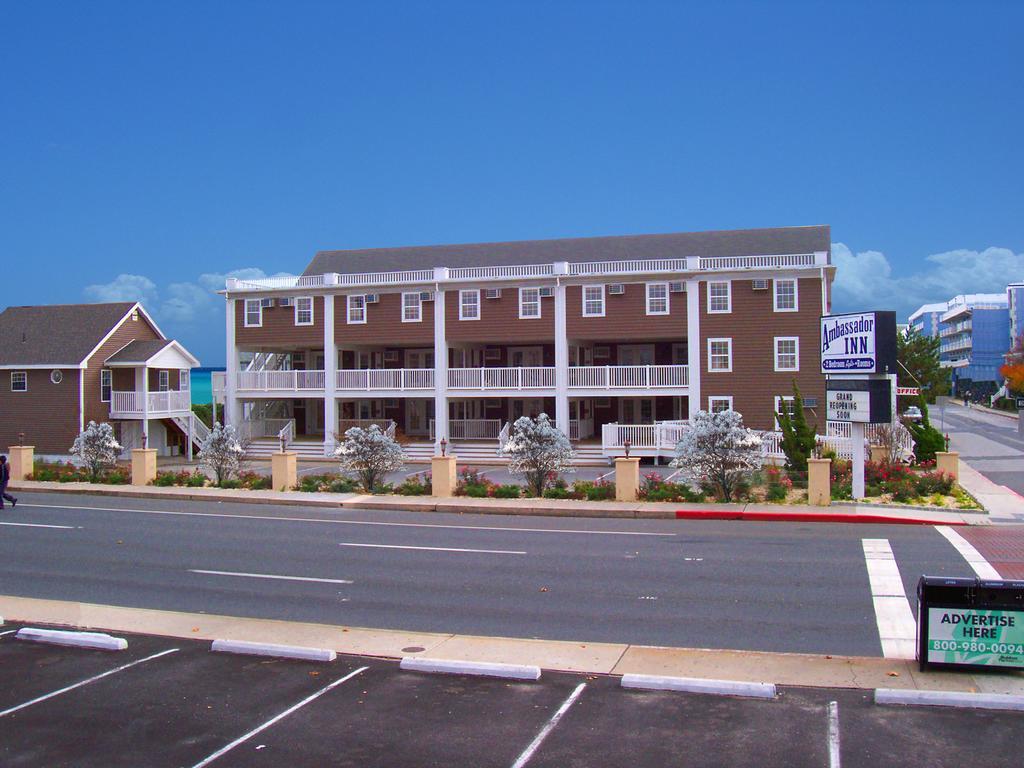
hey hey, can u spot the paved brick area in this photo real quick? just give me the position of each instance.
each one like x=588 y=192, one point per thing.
x=1002 y=546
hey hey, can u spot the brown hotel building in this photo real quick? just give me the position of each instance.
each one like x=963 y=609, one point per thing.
x=615 y=337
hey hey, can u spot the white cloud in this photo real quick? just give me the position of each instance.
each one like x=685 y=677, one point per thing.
x=123 y=288
x=214 y=281
x=865 y=280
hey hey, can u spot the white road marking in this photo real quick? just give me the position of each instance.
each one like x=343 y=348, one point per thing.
x=896 y=626
x=8 y=632
x=352 y=522
x=833 y=734
x=434 y=549
x=527 y=753
x=974 y=558
x=80 y=683
x=225 y=749
x=40 y=525
x=269 y=576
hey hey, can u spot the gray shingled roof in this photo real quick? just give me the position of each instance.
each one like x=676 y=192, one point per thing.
x=59 y=334
x=737 y=242
x=137 y=352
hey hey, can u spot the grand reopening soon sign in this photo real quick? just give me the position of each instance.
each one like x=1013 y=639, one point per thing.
x=858 y=343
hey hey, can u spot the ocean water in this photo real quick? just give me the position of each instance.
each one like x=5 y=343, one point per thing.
x=202 y=388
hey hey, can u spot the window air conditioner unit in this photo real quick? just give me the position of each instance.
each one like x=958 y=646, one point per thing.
x=616 y=289
x=547 y=292
x=677 y=287
x=426 y=296
x=492 y=293
x=810 y=402
x=372 y=298
x=266 y=303
x=285 y=302
x=760 y=285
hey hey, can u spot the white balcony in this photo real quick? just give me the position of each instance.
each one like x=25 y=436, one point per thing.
x=501 y=378
x=386 y=379
x=629 y=376
x=129 y=405
x=281 y=381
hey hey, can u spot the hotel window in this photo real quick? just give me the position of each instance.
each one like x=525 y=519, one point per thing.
x=719 y=404
x=304 y=310
x=469 y=305
x=786 y=296
x=253 y=313
x=787 y=353
x=784 y=404
x=184 y=379
x=529 y=303
x=106 y=384
x=356 y=309
x=657 y=298
x=593 y=301
x=19 y=381
x=412 y=307
x=719 y=355
x=719 y=297
x=163 y=381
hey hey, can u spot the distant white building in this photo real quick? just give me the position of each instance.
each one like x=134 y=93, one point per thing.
x=925 y=320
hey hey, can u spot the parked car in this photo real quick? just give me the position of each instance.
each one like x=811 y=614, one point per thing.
x=913 y=413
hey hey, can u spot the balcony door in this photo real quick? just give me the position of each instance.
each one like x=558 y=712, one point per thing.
x=419 y=358
x=636 y=410
x=525 y=357
x=636 y=354
x=416 y=416
x=531 y=406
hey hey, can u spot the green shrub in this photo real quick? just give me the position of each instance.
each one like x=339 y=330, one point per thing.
x=776 y=493
x=196 y=480
x=903 y=490
x=341 y=485
x=927 y=439
x=310 y=483
x=116 y=477
x=164 y=479
x=475 y=490
x=414 y=486
x=594 y=490
x=230 y=483
x=557 y=493
x=798 y=437
x=934 y=482
x=507 y=492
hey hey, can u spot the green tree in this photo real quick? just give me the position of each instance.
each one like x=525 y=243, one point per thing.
x=927 y=439
x=918 y=358
x=798 y=437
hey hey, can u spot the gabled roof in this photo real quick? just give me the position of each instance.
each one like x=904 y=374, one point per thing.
x=737 y=242
x=137 y=352
x=61 y=335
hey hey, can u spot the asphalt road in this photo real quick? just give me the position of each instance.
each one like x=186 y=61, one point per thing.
x=757 y=586
x=171 y=702
x=986 y=441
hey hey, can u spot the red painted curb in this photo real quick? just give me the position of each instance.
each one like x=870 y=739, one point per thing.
x=807 y=517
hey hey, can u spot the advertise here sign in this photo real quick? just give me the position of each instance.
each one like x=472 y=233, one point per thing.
x=973 y=636
x=848 y=406
x=863 y=342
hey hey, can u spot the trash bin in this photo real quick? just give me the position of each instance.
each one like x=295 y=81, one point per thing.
x=970 y=623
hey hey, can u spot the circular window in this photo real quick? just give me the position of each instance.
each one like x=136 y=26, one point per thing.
x=56 y=377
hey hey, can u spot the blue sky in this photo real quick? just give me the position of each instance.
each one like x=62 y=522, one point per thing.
x=147 y=149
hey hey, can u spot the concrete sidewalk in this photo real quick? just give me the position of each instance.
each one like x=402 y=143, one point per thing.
x=1002 y=503
x=841 y=512
x=581 y=657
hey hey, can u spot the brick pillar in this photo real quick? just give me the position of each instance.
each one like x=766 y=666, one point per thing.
x=21 y=458
x=819 y=482
x=283 y=470
x=143 y=466
x=948 y=462
x=627 y=479
x=442 y=476
x=879 y=454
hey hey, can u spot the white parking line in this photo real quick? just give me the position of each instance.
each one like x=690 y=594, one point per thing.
x=833 y=734
x=8 y=632
x=80 y=683
x=896 y=626
x=435 y=549
x=283 y=518
x=974 y=558
x=276 y=718
x=40 y=525
x=527 y=753
x=269 y=576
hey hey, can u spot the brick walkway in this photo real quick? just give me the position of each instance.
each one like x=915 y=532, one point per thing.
x=1001 y=545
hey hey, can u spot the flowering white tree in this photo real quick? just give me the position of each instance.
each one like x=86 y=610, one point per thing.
x=369 y=454
x=96 y=448
x=221 y=452
x=719 y=450
x=538 y=451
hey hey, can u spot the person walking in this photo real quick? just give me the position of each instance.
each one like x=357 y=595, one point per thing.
x=5 y=477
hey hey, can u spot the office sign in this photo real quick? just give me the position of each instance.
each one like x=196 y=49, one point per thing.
x=991 y=638
x=858 y=401
x=858 y=343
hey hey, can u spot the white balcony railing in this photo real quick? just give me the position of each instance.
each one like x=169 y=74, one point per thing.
x=219 y=382
x=293 y=381
x=386 y=379
x=501 y=378
x=628 y=376
x=130 y=403
x=387 y=426
x=471 y=429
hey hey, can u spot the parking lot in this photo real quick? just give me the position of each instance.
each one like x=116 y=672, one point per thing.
x=169 y=702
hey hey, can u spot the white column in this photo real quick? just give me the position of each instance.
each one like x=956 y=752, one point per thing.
x=561 y=352
x=232 y=414
x=145 y=407
x=440 y=360
x=693 y=344
x=330 y=378
x=857 y=447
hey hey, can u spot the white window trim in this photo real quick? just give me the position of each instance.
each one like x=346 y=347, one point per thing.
x=779 y=399
x=540 y=305
x=419 y=307
x=245 y=313
x=713 y=398
x=668 y=299
x=796 y=294
x=720 y=370
x=467 y=292
x=584 y=296
x=185 y=374
x=163 y=381
x=728 y=296
x=311 y=309
x=19 y=373
x=110 y=377
x=349 y=308
x=796 y=352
